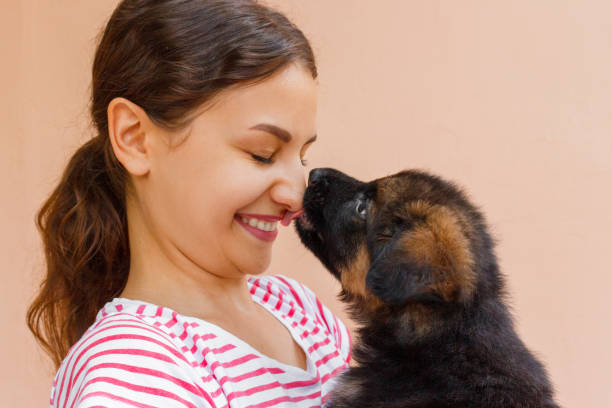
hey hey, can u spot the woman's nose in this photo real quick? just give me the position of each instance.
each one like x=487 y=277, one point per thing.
x=290 y=195
x=289 y=190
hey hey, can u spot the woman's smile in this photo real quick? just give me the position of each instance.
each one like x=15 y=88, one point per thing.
x=263 y=230
x=264 y=226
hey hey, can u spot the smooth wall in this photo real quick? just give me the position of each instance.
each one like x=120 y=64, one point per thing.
x=512 y=100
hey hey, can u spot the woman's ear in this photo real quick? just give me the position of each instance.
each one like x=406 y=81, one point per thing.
x=128 y=126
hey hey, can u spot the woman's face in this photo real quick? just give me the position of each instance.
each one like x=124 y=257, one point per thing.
x=197 y=193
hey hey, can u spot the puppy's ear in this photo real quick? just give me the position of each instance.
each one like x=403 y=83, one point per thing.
x=396 y=279
x=428 y=265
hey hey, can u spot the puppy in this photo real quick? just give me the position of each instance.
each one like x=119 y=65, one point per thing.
x=418 y=270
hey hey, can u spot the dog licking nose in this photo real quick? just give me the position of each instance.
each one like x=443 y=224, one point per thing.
x=290 y=215
x=418 y=271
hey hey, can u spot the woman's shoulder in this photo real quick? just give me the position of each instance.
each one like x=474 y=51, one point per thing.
x=120 y=357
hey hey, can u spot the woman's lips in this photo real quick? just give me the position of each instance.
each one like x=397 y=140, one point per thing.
x=267 y=236
x=263 y=217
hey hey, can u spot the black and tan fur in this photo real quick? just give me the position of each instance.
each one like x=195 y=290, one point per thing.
x=418 y=270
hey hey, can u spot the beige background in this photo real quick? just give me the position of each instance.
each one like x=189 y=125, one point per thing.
x=512 y=99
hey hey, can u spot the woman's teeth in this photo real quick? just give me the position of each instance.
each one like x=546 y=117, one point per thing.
x=262 y=225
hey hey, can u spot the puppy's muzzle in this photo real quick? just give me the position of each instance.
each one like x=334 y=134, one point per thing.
x=318 y=184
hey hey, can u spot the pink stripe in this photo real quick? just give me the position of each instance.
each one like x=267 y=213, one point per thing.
x=268 y=291
x=337 y=330
x=139 y=324
x=304 y=397
x=321 y=312
x=172 y=321
x=183 y=335
x=280 y=300
x=319 y=344
x=248 y=375
x=306 y=333
x=253 y=390
x=232 y=363
x=239 y=361
x=113 y=318
x=159 y=311
x=332 y=374
x=327 y=358
x=140 y=309
x=218 y=350
x=255 y=286
x=348 y=334
x=110 y=319
x=283 y=399
x=136 y=352
x=293 y=292
x=116 y=398
x=223 y=349
x=140 y=388
x=171 y=348
x=195 y=339
x=206 y=336
x=274 y=384
x=242 y=377
x=297 y=384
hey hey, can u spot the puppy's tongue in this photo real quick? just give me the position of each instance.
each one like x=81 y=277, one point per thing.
x=290 y=215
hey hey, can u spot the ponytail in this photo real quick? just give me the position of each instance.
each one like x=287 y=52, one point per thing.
x=84 y=233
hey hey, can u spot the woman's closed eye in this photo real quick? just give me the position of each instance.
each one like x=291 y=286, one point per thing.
x=269 y=159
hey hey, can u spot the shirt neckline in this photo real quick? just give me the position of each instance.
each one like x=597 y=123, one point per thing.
x=310 y=371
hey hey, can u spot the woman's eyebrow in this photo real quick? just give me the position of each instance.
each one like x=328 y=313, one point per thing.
x=280 y=133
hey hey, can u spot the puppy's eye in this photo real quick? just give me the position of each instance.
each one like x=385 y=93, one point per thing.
x=361 y=209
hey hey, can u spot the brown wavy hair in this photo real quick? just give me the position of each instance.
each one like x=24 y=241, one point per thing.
x=169 y=57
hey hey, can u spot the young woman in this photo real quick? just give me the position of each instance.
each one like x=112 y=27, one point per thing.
x=159 y=229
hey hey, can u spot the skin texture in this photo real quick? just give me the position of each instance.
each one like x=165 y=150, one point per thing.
x=187 y=251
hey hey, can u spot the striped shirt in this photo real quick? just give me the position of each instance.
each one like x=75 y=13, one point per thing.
x=137 y=354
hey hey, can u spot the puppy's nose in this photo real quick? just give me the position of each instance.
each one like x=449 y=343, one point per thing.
x=316 y=176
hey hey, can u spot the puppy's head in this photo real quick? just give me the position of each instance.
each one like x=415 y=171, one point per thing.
x=407 y=240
